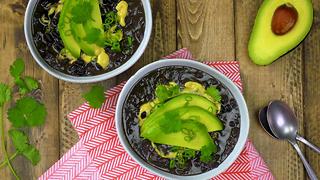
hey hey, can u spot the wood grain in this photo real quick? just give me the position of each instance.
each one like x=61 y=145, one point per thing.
x=206 y=28
x=212 y=30
x=280 y=80
x=312 y=88
x=13 y=45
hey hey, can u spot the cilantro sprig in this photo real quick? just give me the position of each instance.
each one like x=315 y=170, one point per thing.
x=214 y=92
x=165 y=92
x=25 y=113
x=95 y=96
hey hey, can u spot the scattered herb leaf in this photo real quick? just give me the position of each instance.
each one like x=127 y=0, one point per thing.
x=17 y=68
x=164 y=92
x=27 y=112
x=95 y=96
x=81 y=12
x=19 y=140
x=206 y=152
x=31 y=83
x=171 y=122
x=32 y=154
x=94 y=35
x=214 y=92
x=21 y=143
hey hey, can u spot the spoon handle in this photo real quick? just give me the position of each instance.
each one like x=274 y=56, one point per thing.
x=306 y=142
x=309 y=169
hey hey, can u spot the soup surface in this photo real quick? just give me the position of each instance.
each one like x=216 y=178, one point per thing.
x=143 y=92
x=49 y=44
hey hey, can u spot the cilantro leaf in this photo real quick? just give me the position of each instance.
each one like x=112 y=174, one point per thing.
x=23 y=88
x=5 y=93
x=81 y=11
x=26 y=84
x=27 y=112
x=32 y=154
x=214 y=92
x=171 y=122
x=207 y=151
x=17 y=68
x=94 y=35
x=23 y=146
x=95 y=96
x=165 y=92
x=31 y=83
x=19 y=139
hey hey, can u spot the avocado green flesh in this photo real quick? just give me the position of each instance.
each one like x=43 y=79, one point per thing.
x=74 y=33
x=64 y=29
x=180 y=101
x=79 y=33
x=211 y=122
x=265 y=46
x=201 y=138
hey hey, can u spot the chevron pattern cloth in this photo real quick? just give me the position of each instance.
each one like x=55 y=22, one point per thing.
x=99 y=154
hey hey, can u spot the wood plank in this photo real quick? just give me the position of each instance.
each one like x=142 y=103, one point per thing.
x=312 y=88
x=207 y=28
x=281 y=80
x=13 y=45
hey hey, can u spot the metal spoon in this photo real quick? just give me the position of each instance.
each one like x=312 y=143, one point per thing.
x=264 y=123
x=283 y=125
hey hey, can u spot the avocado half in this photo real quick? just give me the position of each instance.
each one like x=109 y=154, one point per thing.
x=265 y=46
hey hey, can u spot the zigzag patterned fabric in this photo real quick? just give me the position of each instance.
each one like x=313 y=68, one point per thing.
x=99 y=154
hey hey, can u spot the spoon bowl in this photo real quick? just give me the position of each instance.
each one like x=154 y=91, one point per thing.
x=282 y=121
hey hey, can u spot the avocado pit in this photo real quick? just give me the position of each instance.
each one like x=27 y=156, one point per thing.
x=284 y=19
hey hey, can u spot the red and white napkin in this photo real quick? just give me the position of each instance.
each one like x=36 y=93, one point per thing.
x=99 y=154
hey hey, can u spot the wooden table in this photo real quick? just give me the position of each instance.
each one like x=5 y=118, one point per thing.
x=211 y=30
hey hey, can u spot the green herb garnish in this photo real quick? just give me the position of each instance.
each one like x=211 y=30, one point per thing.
x=206 y=153
x=214 y=92
x=164 y=93
x=93 y=36
x=95 y=96
x=110 y=20
x=23 y=146
x=26 y=112
x=81 y=12
x=171 y=122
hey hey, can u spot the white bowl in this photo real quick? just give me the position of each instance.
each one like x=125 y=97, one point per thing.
x=244 y=117
x=88 y=79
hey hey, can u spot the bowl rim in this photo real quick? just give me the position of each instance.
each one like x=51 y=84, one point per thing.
x=244 y=116
x=86 y=79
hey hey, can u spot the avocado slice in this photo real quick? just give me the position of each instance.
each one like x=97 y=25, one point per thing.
x=80 y=31
x=64 y=28
x=211 y=122
x=182 y=100
x=279 y=27
x=200 y=136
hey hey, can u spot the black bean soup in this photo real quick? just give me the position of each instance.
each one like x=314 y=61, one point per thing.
x=143 y=92
x=49 y=43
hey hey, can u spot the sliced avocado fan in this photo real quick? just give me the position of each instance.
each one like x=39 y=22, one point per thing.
x=81 y=29
x=280 y=25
